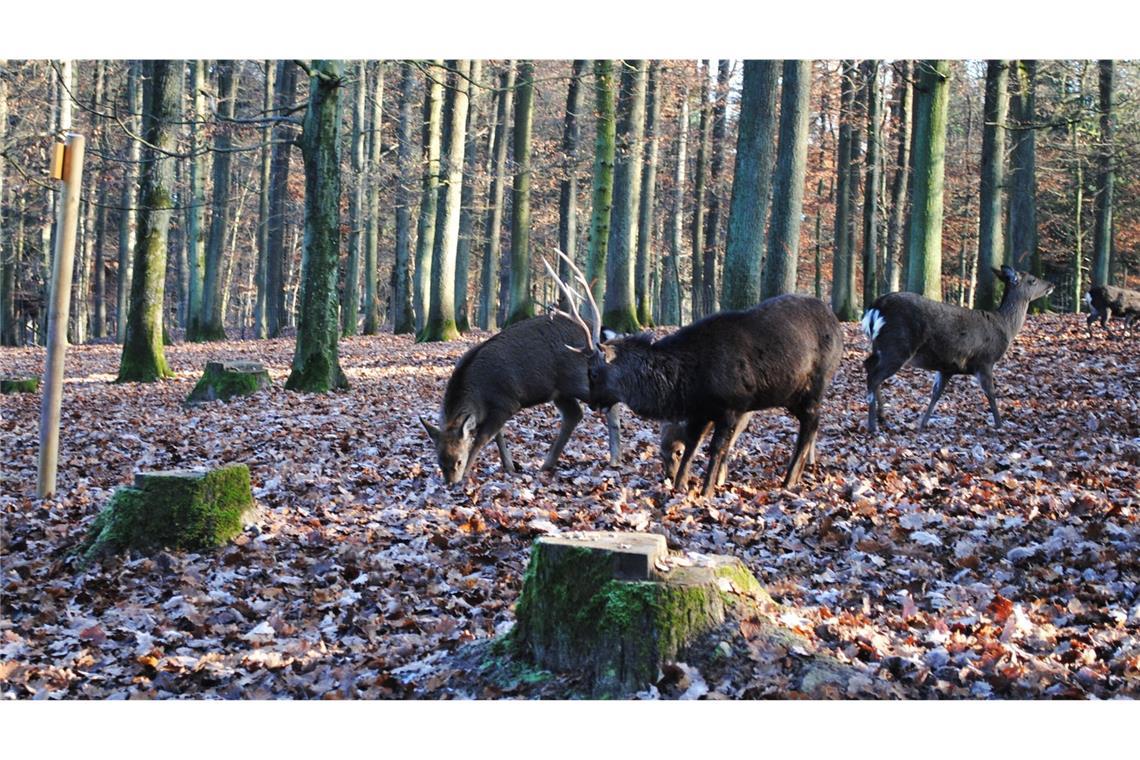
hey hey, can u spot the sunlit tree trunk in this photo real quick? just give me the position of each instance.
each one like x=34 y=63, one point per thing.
x=212 y=319
x=716 y=165
x=646 y=212
x=843 y=261
x=350 y=297
x=990 y=237
x=671 y=280
x=401 y=301
x=277 y=308
x=924 y=244
x=260 y=329
x=492 y=230
x=467 y=214
x=696 y=230
x=429 y=199
x=404 y=318
x=1102 y=201
x=522 y=304
x=602 y=193
x=568 y=186
x=619 y=309
x=98 y=280
x=143 y=359
x=7 y=246
x=751 y=186
x=316 y=364
x=781 y=266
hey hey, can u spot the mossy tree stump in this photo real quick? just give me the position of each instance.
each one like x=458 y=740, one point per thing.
x=179 y=509
x=616 y=606
x=226 y=379
x=19 y=384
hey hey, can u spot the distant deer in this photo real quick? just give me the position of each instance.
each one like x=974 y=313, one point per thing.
x=527 y=364
x=1106 y=301
x=945 y=339
x=781 y=353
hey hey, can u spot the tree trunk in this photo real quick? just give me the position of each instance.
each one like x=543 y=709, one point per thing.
x=372 y=241
x=671 y=279
x=698 y=224
x=1102 y=201
x=404 y=320
x=903 y=116
x=990 y=239
x=924 y=243
x=98 y=279
x=277 y=308
x=316 y=365
x=7 y=249
x=522 y=304
x=425 y=239
x=143 y=359
x=260 y=328
x=602 y=191
x=196 y=212
x=441 y=318
x=716 y=164
x=751 y=186
x=568 y=187
x=871 y=184
x=467 y=215
x=350 y=295
x=645 y=247
x=492 y=230
x=619 y=308
x=782 y=263
x=1023 y=169
x=85 y=253
x=212 y=319
x=842 y=294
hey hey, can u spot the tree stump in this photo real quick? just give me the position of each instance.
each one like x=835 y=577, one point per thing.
x=193 y=510
x=226 y=379
x=19 y=384
x=616 y=606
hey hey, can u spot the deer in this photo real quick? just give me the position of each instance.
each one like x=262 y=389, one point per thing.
x=526 y=364
x=906 y=328
x=1105 y=301
x=780 y=353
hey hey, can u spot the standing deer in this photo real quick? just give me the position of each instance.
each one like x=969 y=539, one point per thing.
x=527 y=364
x=945 y=339
x=781 y=353
x=1105 y=301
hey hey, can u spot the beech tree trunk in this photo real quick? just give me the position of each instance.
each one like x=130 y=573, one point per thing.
x=924 y=244
x=619 y=309
x=467 y=215
x=568 y=186
x=716 y=164
x=671 y=311
x=1023 y=169
x=278 y=309
x=605 y=148
x=212 y=319
x=871 y=184
x=260 y=329
x=316 y=364
x=696 y=231
x=781 y=267
x=143 y=359
x=843 y=261
x=1102 y=201
x=404 y=318
x=492 y=230
x=7 y=247
x=990 y=237
x=522 y=304
x=751 y=186
x=425 y=238
x=401 y=302
x=645 y=270
x=350 y=297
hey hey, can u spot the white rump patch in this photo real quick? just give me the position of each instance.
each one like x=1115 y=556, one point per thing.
x=872 y=322
x=608 y=334
x=1088 y=299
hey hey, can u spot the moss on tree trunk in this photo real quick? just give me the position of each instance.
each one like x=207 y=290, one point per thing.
x=192 y=510
x=224 y=380
x=19 y=384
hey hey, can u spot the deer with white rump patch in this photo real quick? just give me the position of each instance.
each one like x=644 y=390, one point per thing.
x=1106 y=302
x=781 y=353
x=945 y=339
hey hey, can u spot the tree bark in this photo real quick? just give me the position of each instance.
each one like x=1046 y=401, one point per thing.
x=401 y=308
x=781 y=267
x=467 y=213
x=646 y=212
x=425 y=239
x=619 y=308
x=568 y=186
x=871 y=184
x=212 y=318
x=924 y=244
x=716 y=164
x=1103 y=200
x=751 y=186
x=843 y=261
x=7 y=249
x=440 y=325
x=492 y=230
x=316 y=364
x=277 y=308
x=404 y=321
x=671 y=310
x=350 y=297
x=990 y=237
x=143 y=359
x=1023 y=169
x=522 y=304
x=697 y=229
x=260 y=327
x=602 y=191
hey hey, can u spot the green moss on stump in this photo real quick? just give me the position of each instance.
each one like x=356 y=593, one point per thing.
x=224 y=380
x=19 y=384
x=192 y=510
x=583 y=608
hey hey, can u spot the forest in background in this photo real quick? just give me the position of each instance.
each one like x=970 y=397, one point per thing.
x=536 y=175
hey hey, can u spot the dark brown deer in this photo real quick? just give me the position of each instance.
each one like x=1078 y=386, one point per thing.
x=527 y=364
x=1106 y=301
x=781 y=353
x=945 y=339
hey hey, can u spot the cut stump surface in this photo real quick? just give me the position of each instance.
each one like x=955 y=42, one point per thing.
x=225 y=379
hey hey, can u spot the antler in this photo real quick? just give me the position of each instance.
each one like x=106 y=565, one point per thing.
x=581 y=278
x=571 y=298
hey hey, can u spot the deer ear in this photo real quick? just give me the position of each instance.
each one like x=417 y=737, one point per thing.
x=1010 y=275
x=469 y=427
x=432 y=430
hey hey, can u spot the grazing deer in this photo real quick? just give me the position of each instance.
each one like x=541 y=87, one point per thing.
x=945 y=339
x=527 y=364
x=781 y=353
x=1106 y=301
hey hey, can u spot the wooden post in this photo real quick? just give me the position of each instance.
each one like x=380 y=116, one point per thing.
x=71 y=173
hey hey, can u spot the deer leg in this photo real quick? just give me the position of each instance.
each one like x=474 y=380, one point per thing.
x=613 y=425
x=722 y=473
x=805 y=440
x=811 y=450
x=694 y=430
x=504 y=454
x=718 y=450
x=492 y=427
x=940 y=383
x=571 y=416
x=986 y=380
x=879 y=367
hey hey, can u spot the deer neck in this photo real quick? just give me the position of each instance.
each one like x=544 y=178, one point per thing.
x=1012 y=311
x=649 y=382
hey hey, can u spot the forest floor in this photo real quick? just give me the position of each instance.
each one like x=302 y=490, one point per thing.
x=962 y=562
